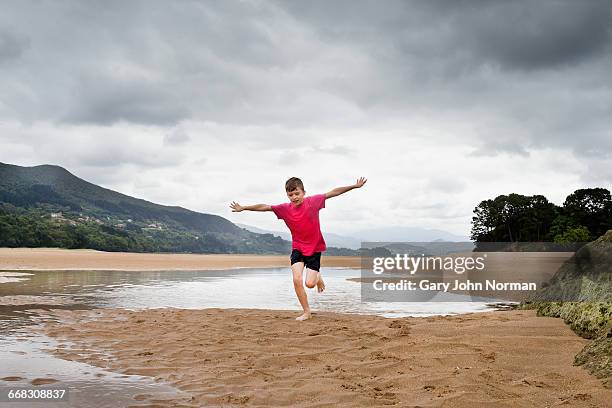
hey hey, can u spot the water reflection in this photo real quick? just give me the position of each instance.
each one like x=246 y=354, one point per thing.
x=270 y=288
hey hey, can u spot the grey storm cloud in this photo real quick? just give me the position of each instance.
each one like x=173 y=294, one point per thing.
x=116 y=155
x=109 y=100
x=545 y=36
x=517 y=34
x=11 y=47
x=534 y=72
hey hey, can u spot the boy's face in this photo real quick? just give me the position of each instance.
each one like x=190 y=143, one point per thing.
x=296 y=196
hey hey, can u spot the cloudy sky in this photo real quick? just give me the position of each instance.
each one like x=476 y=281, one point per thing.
x=198 y=103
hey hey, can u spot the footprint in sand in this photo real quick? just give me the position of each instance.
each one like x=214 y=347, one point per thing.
x=13 y=378
x=488 y=357
x=395 y=324
x=535 y=383
x=241 y=399
x=378 y=355
x=43 y=381
x=404 y=331
x=403 y=327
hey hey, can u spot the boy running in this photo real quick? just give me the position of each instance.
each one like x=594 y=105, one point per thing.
x=301 y=215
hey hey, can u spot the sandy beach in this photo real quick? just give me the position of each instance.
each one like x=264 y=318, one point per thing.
x=12 y=259
x=262 y=358
x=247 y=357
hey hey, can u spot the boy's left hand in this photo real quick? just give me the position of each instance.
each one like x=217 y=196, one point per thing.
x=360 y=182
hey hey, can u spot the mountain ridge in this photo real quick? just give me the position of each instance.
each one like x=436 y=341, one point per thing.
x=51 y=194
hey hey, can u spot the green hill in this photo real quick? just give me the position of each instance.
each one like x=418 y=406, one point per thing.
x=49 y=206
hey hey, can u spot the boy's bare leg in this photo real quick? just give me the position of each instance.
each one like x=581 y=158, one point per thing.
x=298 y=285
x=314 y=278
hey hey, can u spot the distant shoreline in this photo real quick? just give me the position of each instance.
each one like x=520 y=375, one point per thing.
x=56 y=259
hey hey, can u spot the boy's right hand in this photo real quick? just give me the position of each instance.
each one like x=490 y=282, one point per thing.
x=236 y=207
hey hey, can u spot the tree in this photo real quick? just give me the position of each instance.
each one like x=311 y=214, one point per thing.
x=513 y=217
x=590 y=207
x=484 y=221
x=573 y=235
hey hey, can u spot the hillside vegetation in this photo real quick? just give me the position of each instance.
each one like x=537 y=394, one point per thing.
x=48 y=206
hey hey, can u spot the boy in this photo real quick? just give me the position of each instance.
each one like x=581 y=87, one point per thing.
x=301 y=215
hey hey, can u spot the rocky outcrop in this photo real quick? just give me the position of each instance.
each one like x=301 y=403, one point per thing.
x=581 y=294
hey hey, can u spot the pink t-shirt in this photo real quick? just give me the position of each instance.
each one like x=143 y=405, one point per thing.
x=303 y=222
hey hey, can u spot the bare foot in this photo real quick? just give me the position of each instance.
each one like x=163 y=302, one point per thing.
x=303 y=317
x=320 y=285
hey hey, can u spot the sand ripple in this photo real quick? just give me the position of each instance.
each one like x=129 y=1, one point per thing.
x=240 y=357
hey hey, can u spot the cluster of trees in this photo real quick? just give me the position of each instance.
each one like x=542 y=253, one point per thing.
x=28 y=228
x=585 y=215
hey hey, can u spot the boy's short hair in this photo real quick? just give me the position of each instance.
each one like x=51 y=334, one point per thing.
x=293 y=183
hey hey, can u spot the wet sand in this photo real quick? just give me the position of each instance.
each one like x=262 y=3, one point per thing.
x=247 y=357
x=13 y=259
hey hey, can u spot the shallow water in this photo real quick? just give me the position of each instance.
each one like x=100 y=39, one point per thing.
x=266 y=288
x=26 y=295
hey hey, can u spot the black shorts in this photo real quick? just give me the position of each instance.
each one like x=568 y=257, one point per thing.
x=312 y=262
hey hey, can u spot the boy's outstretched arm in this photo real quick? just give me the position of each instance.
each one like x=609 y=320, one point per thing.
x=341 y=190
x=256 y=207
